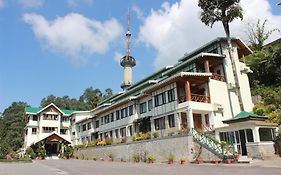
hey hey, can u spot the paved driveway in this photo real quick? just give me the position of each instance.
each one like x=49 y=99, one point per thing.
x=87 y=167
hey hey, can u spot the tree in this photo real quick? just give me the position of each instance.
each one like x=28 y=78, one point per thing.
x=108 y=93
x=225 y=11
x=91 y=97
x=258 y=34
x=12 y=128
x=220 y=10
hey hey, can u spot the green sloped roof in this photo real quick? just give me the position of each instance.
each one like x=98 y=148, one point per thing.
x=32 y=110
x=35 y=110
x=244 y=114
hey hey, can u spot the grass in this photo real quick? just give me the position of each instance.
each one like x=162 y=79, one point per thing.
x=24 y=160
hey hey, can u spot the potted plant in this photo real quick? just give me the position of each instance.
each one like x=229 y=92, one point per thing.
x=150 y=158
x=171 y=158
x=111 y=157
x=136 y=158
x=94 y=157
x=182 y=160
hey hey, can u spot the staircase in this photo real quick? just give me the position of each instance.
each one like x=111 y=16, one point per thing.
x=223 y=151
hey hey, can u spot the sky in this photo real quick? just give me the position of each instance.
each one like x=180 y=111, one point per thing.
x=63 y=47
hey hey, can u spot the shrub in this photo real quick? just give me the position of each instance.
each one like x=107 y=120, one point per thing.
x=136 y=157
x=108 y=140
x=171 y=157
x=150 y=158
x=101 y=143
x=155 y=135
x=94 y=157
x=111 y=156
x=124 y=139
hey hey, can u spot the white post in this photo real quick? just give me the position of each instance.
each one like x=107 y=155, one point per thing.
x=256 y=134
x=190 y=123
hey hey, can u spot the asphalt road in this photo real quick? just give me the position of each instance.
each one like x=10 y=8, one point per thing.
x=87 y=167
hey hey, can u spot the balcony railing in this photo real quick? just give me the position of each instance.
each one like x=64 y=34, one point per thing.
x=196 y=98
x=218 y=77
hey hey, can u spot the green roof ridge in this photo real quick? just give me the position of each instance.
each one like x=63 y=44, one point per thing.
x=35 y=110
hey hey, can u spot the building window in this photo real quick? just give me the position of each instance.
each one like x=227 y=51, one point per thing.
x=191 y=68
x=34 y=131
x=249 y=134
x=159 y=123
x=106 y=119
x=73 y=133
x=97 y=123
x=79 y=129
x=89 y=126
x=26 y=131
x=101 y=121
x=149 y=105
x=266 y=134
x=63 y=131
x=124 y=113
x=49 y=129
x=131 y=110
x=123 y=132
x=171 y=95
x=111 y=117
x=143 y=107
x=64 y=119
x=111 y=134
x=50 y=117
x=171 y=119
x=35 y=118
x=160 y=99
x=84 y=127
x=117 y=115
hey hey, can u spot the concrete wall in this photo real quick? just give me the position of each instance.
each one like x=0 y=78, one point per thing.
x=260 y=150
x=160 y=148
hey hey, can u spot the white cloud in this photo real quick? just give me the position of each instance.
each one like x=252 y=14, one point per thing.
x=31 y=3
x=176 y=28
x=2 y=3
x=74 y=35
x=75 y=3
x=117 y=56
x=138 y=12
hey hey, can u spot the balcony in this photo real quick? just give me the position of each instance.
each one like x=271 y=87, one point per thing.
x=218 y=77
x=195 y=98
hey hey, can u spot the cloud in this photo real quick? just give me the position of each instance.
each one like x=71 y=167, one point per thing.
x=31 y=3
x=74 y=35
x=117 y=56
x=138 y=12
x=2 y=3
x=176 y=28
x=75 y=3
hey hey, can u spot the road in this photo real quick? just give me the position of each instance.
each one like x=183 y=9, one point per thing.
x=87 y=167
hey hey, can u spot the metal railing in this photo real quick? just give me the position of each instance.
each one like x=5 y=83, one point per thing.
x=196 y=98
x=221 y=149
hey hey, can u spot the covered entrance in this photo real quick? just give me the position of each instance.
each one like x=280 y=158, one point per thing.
x=250 y=134
x=52 y=144
x=143 y=125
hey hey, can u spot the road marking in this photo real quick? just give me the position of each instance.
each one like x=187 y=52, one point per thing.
x=58 y=171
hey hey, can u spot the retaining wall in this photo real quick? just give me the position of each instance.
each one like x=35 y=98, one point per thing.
x=161 y=147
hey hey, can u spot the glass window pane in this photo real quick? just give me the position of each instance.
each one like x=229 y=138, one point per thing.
x=249 y=134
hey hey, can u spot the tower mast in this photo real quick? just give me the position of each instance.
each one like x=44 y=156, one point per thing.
x=127 y=61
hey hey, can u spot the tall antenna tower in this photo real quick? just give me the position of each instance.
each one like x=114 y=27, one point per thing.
x=127 y=61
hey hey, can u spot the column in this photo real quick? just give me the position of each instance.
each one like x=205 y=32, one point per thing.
x=190 y=123
x=152 y=125
x=187 y=91
x=206 y=65
x=166 y=122
x=177 y=120
x=256 y=134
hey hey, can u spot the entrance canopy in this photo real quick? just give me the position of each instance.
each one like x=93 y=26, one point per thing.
x=53 y=138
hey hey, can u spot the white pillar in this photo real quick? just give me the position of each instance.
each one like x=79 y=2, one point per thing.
x=190 y=123
x=256 y=134
x=152 y=125
x=177 y=120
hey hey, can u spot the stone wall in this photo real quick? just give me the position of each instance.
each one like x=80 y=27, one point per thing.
x=205 y=155
x=260 y=150
x=160 y=148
